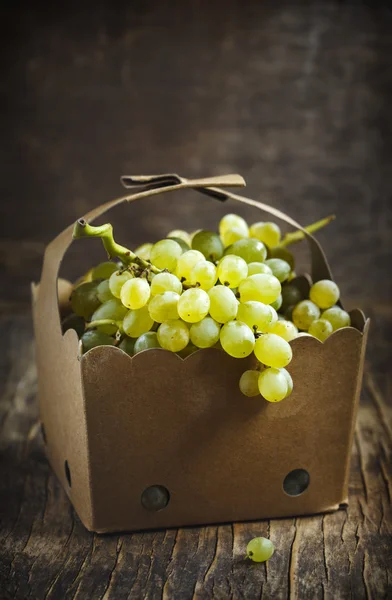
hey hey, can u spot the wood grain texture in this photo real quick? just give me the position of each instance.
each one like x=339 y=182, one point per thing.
x=46 y=553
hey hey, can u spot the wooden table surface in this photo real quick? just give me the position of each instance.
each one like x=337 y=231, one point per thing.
x=295 y=97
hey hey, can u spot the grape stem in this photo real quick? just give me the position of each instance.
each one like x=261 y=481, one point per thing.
x=297 y=236
x=82 y=229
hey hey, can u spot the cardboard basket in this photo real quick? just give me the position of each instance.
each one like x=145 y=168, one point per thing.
x=126 y=436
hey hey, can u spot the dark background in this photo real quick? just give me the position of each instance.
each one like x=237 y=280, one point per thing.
x=295 y=96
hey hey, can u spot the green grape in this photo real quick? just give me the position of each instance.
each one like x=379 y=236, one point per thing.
x=193 y=305
x=103 y=291
x=135 y=293
x=249 y=383
x=93 y=338
x=273 y=351
x=325 y=293
x=184 y=246
x=256 y=315
x=165 y=282
x=260 y=287
x=104 y=270
x=286 y=329
x=209 y=244
x=249 y=249
x=277 y=303
x=303 y=334
x=163 y=307
x=186 y=262
x=289 y=379
x=232 y=221
x=205 y=333
x=280 y=268
x=111 y=309
x=75 y=322
x=173 y=335
x=273 y=385
x=320 y=329
x=237 y=339
x=223 y=304
x=291 y=295
x=144 y=251
x=204 y=274
x=304 y=313
x=258 y=267
x=84 y=299
x=137 y=322
x=268 y=233
x=260 y=549
x=181 y=235
x=337 y=317
x=165 y=253
x=128 y=345
x=117 y=280
x=146 y=341
x=232 y=235
x=232 y=270
x=284 y=254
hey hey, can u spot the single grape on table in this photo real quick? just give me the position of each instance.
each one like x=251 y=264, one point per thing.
x=233 y=290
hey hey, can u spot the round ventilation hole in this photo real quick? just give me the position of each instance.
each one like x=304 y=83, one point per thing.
x=296 y=482
x=155 y=497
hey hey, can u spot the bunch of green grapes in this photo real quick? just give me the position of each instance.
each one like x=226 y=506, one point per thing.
x=202 y=290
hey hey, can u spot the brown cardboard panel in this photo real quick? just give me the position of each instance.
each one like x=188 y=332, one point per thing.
x=124 y=424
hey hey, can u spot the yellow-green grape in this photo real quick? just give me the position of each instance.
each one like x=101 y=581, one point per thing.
x=232 y=221
x=223 y=304
x=273 y=385
x=260 y=287
x=256 y=315
x=165 y=282
x=289 y=379
x=320 y=329
x=258 y=267
x=325 y=293
x=209 y=244
x=111 y=309
x=103 y=291
x=305 y=313
x=284 y=254
x=280 y=268
x=146 y=341
x=237 y=339
x=184 y=246
x=303 y=334
x=84 y=299
x=163 y=307
x=292 y=276
x=135 y=293
x=104 y=270
x=193 y=305
x=260 y=549
x=173 y=335
x=117 y=280
x=249 y=249
x=286 y=329
x=180 y=234
x=137 y=322
x=337 y=317
x=93 y=338
x=249 y=383
x=232 y=270
x=273 y=351
x=186 y=262
x=204 y=274
x=232 y=235
x=291 y=295
x=128 y=345
x=205 y=333
x=165 y=253
x=144 y=251
x=277 y=303
x=268 y=233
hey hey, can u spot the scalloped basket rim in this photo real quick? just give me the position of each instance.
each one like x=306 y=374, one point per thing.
x=331 y=339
